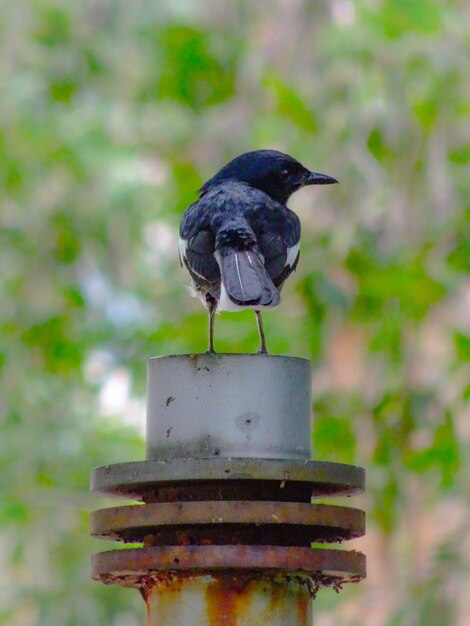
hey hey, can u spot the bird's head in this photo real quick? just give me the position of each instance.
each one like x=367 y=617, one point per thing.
x=275 y=173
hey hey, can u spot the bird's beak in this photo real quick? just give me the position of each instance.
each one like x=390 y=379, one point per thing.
x=315 y=178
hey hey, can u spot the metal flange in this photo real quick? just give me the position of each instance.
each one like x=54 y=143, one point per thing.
x=195 y=479
x=136 y=567
x=228 y=513
x=176 y=523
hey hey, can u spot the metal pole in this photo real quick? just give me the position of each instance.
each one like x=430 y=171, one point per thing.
x=228 y=600
x=227 y=519
x=243 y=405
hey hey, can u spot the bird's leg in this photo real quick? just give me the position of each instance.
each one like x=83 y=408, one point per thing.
x=211 y=331
x=263 y=349
x=211 y=307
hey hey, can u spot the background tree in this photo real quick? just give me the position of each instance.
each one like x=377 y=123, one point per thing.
x=112 y=114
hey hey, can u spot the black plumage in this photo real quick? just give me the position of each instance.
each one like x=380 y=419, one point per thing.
x=240 y=241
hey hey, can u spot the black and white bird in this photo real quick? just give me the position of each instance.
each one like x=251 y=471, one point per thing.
x=240 y=241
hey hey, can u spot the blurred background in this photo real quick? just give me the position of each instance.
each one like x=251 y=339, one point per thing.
x=112 y=115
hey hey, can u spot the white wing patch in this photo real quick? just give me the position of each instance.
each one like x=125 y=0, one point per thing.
x=292 y=254
x=182 y=245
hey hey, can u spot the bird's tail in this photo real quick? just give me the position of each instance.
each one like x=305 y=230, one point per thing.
x=245 y=281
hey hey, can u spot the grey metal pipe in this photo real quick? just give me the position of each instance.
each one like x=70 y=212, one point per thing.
x=229 y=405
x=228 y=600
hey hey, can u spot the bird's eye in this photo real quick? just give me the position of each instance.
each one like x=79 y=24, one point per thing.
x=285 y=174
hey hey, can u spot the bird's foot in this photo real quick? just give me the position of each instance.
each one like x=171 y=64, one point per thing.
x=209 y=352
x=261 y=351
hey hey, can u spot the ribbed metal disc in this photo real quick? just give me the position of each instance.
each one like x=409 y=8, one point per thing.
x=134 y=567
x=317 y=522
x=143 y=479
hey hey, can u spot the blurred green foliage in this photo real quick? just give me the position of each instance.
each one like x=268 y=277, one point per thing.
x=112 y=115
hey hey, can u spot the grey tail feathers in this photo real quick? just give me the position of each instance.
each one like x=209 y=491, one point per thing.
x=245 y=278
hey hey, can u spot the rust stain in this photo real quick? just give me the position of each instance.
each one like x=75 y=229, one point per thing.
x=145 y=590
x=222 y=599
x=302 y=610
x=228 y=599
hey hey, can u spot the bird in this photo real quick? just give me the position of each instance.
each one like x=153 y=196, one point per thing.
x=239 y=241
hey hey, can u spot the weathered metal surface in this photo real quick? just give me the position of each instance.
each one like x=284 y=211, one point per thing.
x=228 y=600
x=242 y=405
x=150 y=480
x=135 y=567
x=249 y=522
x=226 y=534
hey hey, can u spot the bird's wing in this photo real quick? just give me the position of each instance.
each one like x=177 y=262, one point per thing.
x=196 y=244
x=279 y=244
x=195 y=218
x=197 y=254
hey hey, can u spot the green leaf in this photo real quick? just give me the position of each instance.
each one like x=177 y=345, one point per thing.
x=462 y=346
x=291 y=105
x=400 y=17
x=334 y=438
x=191 y=73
